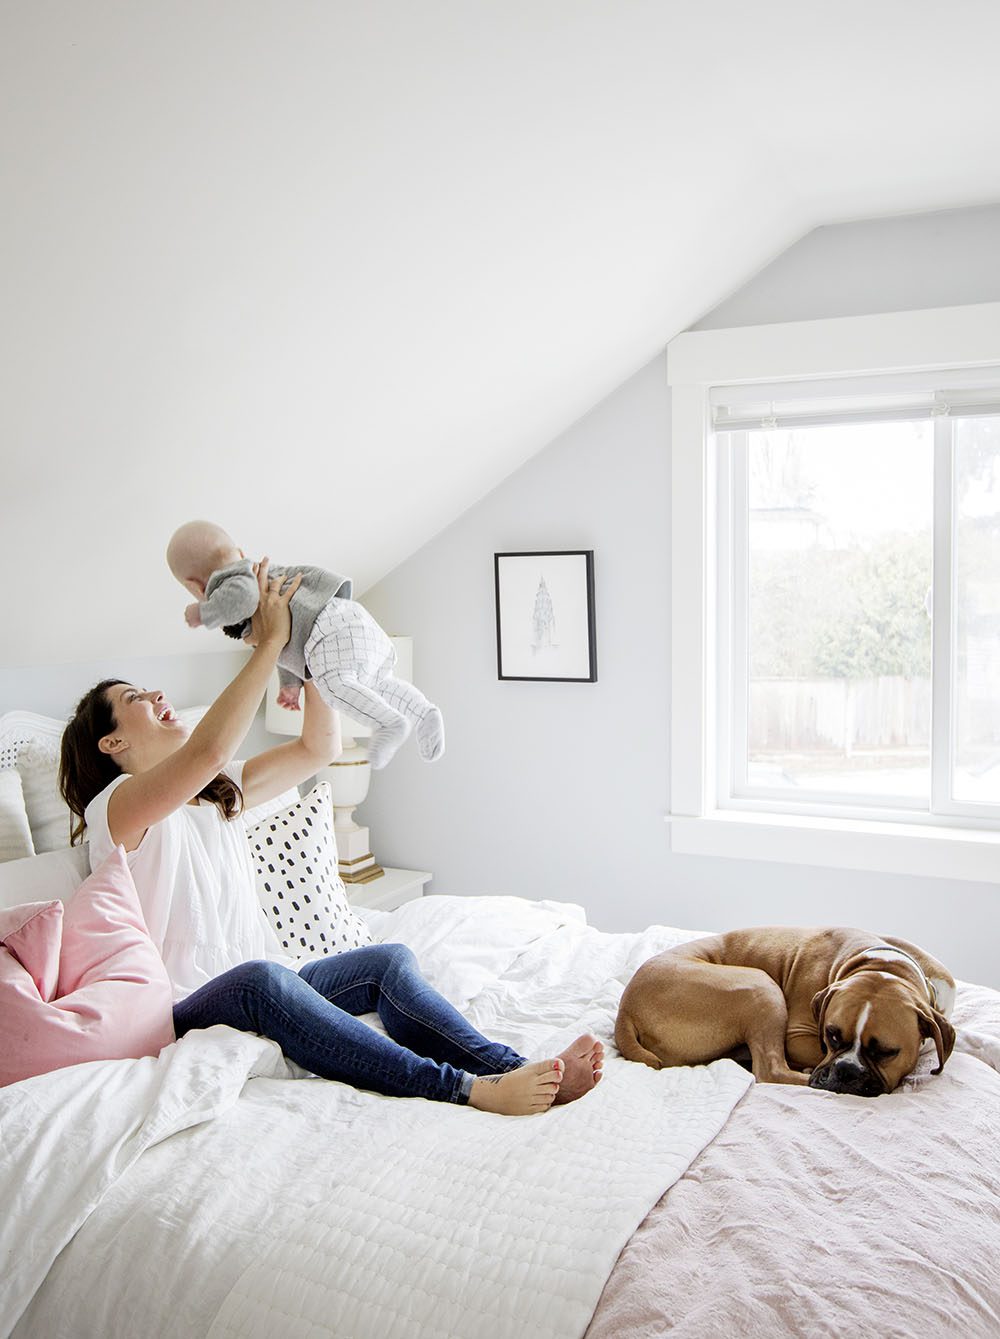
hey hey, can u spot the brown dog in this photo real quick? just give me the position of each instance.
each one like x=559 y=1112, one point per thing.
x=849 y=1008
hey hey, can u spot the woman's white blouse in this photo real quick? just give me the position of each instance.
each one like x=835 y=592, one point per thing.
x=195 y=878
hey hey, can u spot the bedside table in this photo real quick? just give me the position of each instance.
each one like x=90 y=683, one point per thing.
x=395 y=887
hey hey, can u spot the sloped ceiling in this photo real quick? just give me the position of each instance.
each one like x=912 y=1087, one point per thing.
x=327 y=272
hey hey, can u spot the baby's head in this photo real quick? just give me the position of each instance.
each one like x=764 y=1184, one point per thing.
x=196 y=550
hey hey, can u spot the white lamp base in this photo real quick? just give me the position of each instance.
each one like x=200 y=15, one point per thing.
x=349 y=777
x=354 y=858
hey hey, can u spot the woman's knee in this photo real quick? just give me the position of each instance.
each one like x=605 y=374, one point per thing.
x=239 y=997
x=260 y=975
x=394 y=958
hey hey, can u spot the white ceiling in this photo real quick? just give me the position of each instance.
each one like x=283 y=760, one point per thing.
x=327 y=271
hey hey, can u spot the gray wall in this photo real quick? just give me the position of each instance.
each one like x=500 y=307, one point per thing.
x=560 y=790
x=186 y=681
x=943 y=259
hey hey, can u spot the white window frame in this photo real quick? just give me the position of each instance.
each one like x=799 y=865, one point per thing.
x=896 y=342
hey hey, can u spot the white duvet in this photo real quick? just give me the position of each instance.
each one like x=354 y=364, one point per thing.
x=210 y=1193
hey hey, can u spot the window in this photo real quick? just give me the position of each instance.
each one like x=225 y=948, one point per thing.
x=826 y=604
x=836 y=562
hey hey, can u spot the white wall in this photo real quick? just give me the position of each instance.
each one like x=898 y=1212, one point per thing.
x=560 y=790
x=263 y=262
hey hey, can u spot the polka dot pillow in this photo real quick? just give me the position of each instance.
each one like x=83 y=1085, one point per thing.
x=299 y=886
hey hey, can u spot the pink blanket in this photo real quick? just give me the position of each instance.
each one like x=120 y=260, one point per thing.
x=815 y=1214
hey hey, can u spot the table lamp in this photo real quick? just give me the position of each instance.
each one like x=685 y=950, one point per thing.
x=349 y=776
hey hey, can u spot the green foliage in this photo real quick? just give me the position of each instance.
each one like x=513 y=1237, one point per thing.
x=820 y=613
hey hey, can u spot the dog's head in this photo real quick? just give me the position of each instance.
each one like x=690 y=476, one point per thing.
x=872 y=1025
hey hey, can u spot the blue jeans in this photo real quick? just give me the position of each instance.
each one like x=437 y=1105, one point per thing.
x=431 y=1050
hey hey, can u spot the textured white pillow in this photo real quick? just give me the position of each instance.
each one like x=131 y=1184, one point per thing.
x=15 y=832
x=48 y=815
x=299 y=886
x=251 y=817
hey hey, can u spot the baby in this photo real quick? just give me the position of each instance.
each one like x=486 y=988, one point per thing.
x=334 y=641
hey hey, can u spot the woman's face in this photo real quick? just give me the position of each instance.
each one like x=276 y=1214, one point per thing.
x=146 y=727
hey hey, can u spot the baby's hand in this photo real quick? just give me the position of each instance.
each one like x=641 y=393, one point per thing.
x=192 y=616
x=288 y=697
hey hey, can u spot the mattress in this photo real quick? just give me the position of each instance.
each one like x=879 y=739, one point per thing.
x=216 y=1192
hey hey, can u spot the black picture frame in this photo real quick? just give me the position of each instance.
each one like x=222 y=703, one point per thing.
x=545 y=615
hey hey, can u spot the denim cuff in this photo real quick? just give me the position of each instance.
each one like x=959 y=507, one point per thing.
x=465 y=1089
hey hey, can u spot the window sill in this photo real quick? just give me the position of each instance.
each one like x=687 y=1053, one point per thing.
x=883 y=848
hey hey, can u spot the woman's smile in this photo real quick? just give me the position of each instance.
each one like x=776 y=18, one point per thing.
x=152 y=705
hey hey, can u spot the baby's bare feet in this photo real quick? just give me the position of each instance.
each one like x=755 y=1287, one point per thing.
x=520 y=1092
x=584 y=1060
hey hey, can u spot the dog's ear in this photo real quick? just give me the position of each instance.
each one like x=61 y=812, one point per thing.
x=934 y=1024
x=819 y=1002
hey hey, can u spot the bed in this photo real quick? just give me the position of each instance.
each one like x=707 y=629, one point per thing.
x=216 y=1191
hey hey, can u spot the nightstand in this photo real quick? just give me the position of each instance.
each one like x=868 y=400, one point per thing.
x=395 y=887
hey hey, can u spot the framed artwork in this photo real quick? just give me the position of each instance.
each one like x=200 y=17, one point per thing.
x=545 y=616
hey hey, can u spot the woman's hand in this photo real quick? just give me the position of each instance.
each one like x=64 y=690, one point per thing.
x=272 y=622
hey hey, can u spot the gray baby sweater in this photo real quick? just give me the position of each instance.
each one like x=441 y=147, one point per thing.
x=232 y=595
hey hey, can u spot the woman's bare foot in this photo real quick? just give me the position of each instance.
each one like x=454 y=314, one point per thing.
x=583 y=1059
x=519 y=1092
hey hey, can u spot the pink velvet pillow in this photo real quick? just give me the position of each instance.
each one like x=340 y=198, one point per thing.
x=81 y=981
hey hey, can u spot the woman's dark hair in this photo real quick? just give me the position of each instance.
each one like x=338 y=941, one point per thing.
x=84 y=770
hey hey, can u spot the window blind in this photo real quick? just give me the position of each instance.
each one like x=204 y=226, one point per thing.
x=956 y=393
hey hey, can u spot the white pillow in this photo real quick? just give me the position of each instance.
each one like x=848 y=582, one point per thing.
x=48 y=815
x=298 y=883
x=251 y=817
x=15 y=832
x=40 y=878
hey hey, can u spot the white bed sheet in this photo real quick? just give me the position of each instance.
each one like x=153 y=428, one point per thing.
x=198 y=1203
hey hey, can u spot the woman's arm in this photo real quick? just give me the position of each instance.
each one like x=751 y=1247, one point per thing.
x=287 y=765
x=147 y=797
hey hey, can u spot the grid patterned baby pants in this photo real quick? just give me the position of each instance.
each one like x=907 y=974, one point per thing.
x=351 y=661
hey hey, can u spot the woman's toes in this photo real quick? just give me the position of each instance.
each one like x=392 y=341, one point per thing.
x=537 y=1085
x=583 y=1058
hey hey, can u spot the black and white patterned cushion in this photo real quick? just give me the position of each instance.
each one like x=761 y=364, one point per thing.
x=300 y=889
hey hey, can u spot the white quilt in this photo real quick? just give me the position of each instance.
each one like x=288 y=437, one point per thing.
x=206 y=1194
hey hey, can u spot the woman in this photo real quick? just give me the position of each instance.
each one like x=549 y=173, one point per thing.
x=133 y=776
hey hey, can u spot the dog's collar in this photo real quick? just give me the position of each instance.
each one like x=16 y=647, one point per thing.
x=901 y=953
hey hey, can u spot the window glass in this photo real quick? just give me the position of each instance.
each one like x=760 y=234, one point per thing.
x=837 y=582
x=976 y=501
